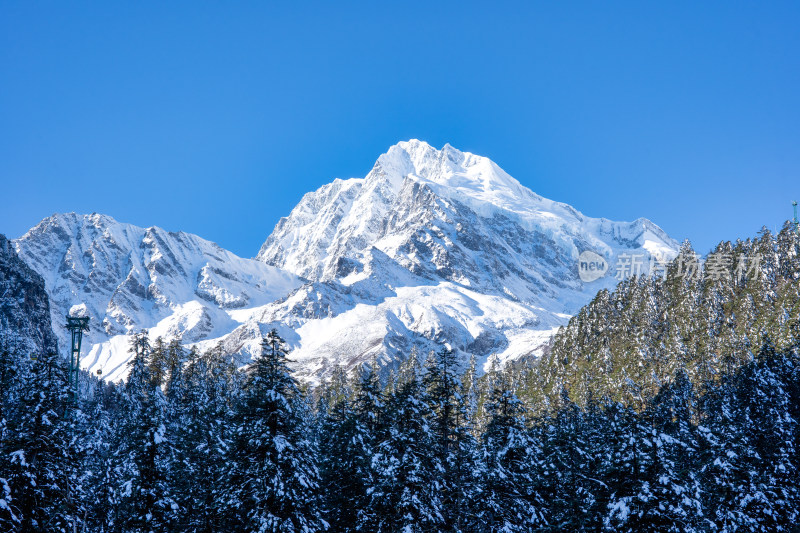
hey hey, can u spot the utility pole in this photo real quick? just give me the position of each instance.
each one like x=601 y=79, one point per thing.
x=76 y=325
x=796 y=223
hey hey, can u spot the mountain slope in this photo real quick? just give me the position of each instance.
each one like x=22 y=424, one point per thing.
x=627 y=343
x=127 y=278
x=24 y=307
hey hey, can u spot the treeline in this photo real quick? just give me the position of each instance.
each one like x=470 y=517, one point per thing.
x=191 y=443
x=700 y=319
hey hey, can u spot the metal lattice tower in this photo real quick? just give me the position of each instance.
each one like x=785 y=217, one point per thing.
x=76 y=325
x=796 y=223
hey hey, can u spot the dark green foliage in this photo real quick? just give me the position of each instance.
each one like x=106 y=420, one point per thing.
x=407 y=491
x=751 y=428
x=200 y=408
x=226 y=451
x=349 y=434
x=509 y=500
x=144 y=459
x=454 y=447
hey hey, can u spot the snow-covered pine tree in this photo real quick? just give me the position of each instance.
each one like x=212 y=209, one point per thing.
x=97 y=440
x=146 y=454
x=751 y=433
x=625 y=458
x=508 y=500
x=668 y=497
x=335 y=392
x=454 y=448
x=568 y=472
x=13 y=372
x=37 y=447
x=274 y=479
x=406 y=494
x=348 y=438
x=724 y=473
x=157 y=362
x=199 y=399
x=174 y=360
x=771 y=497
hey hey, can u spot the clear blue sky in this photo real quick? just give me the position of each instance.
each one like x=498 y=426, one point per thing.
x=216 y=117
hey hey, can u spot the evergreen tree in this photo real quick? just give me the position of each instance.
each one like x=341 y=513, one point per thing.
x=569 y=467
x=349 y=435
x=508 y=500
x=454 y=448
x=666 y=495
x=274 y=482
x=39 y=460
x=13 y=372
x=406 y=496
x=101 y=435
x=146 y=454
x=157 y=362
x=200 y=413
x=751 y=464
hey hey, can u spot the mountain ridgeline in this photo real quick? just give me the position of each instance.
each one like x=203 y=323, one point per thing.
x=430 y=247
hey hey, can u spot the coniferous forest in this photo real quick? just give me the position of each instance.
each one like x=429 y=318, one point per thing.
x=670 y=404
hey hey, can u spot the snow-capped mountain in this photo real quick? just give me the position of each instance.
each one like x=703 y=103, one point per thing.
x=127 y=278
x=440 y=246
x=432 y=247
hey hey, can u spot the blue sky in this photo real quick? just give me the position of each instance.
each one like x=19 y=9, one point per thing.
x=216 y=117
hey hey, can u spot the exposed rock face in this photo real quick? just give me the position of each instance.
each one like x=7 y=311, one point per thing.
x=24 y=306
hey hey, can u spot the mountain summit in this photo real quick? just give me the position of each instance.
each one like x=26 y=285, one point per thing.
x=431 y=248
x=446 y=214
x=443 y=246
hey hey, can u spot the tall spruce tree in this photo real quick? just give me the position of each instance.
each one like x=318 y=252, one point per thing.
x=666 y=495
x=566 y=477
x=146 y=453
x=407 y=492
x=348 y=439
x=454 y=447
x=508 y=500
x=274 y=480
x=200 y=409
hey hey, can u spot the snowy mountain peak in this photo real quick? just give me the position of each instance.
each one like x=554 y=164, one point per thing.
x=448 y=167
x=431 y=247
x=443 y=246
x=414 y=188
